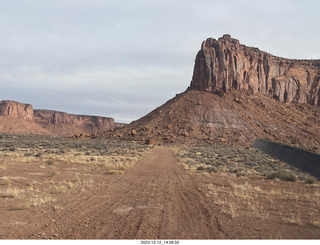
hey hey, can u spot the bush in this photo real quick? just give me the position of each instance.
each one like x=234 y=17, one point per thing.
x=114 y=171
x=38 y=154
x=212 y=169
x=310 y=180
x=50 y=162
x=282 y=175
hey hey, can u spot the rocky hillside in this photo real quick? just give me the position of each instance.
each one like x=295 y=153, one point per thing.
x=236 y=95
x=226 y=64
x=233 y=118
x=16 y=117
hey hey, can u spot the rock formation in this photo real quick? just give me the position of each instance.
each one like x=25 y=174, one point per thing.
x=15 y=109
x=58 y=121
x=236 y=118
x=226 y=64
x=230 y=101
x=15 y=114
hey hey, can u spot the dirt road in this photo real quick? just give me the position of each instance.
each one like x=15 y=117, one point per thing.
x=158 y=199
x=155 y=199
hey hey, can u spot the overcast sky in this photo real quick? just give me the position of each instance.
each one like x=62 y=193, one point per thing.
x=124 y=58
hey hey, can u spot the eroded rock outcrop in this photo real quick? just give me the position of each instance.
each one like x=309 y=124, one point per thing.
x=87 y=124
x=204 y=113
x=16 y=109
x=226 y=64
x=21 y=118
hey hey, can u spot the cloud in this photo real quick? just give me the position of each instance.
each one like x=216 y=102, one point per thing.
x=123 y=58
x=107 y=92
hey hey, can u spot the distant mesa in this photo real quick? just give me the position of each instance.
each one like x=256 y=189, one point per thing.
x=20 y=118
x=16 y=110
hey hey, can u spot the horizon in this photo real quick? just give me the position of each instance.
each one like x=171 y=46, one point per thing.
x=124 y=59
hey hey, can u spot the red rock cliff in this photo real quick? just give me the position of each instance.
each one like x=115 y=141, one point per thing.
x=225 y=64
x=20 y=118
x=87 y=124
x=16 y=109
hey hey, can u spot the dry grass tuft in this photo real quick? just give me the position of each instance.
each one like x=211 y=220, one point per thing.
x=51 y=162
x=5 y=181
x=11 y=193
x=21 y=206
x=37 y=200
x=282 y=175
x=315 y=220
x=75 y=179
x=115 y=171
x=293 y=218
x=61 y=189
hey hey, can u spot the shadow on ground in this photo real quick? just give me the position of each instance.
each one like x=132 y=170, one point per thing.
x=304 y=160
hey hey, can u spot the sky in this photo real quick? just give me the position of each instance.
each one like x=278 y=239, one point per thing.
x=122 y=59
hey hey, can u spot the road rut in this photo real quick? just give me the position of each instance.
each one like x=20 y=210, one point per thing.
x=155 y=199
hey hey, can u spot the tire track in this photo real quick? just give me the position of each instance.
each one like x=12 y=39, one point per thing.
x=155 y=199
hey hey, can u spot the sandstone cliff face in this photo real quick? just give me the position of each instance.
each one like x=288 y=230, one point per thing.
x=21 y=118
x=86 y=124
x=16 y=110
x=226 y=64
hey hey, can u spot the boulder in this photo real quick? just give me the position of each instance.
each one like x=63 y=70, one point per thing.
x=133 y=133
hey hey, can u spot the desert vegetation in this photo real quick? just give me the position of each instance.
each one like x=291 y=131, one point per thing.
x=36 y=170
x=65 y=182
x=250 y=187
x=52 y=150
x=240 y=162
x=264 y=202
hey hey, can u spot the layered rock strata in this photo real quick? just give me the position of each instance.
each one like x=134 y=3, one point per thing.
x=91 y=124
x=226 y=64
x=22 y=118
x=16 y=110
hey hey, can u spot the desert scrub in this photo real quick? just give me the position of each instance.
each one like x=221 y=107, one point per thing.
x=5 y=181
x=11 y=193
x=309 y=180
x=61 y=189
x=282 y=175
x=238 y=162
x=51 y=162
x=292 y=218
x=207 y=169
x=240 y=171
x=115 y=171
x=66 y=150
x=21 y=206
x=39 y=154
x=37 y=200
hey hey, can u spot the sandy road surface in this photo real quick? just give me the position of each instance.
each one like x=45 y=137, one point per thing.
x=156 y=199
